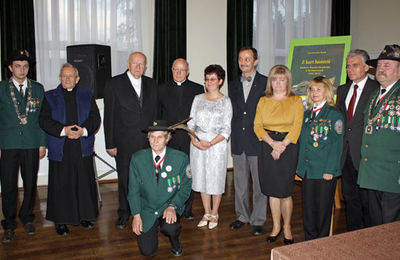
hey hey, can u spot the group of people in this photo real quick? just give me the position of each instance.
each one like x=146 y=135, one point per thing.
x=272 y=138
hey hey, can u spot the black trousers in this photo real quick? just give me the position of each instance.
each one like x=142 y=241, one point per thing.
x=355 y=197
x=384 y=207
x=318 y=196
x=10 y=161
x=148 y=241
x=123 y=160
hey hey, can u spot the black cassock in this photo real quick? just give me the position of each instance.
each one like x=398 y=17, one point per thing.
x=72 y=191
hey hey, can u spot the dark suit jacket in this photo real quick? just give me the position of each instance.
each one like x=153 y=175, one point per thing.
x=124 y=116
x=175 y=103
x=243 y=137
x=354 y=129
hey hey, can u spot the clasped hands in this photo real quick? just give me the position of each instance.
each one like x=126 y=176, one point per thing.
x=201 y=144
x=278 y=149
x=169 y=216
x=73 y=131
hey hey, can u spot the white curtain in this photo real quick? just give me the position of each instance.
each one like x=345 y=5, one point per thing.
x=276 y=22
x=125 y=25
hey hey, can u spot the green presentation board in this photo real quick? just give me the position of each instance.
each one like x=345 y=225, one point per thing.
x=312 y=57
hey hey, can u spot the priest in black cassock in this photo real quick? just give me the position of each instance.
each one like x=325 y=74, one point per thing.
x=70 y=118
x=175 y=99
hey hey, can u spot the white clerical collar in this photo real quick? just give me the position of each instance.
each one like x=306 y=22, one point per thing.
x=180 y=83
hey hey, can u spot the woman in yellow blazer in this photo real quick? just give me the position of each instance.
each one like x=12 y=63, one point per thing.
x=319 y=157
x=277 y=124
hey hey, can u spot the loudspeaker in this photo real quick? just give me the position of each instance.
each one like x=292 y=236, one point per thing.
x=93 y=62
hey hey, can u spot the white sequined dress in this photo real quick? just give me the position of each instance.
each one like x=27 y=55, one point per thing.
x=208 y=167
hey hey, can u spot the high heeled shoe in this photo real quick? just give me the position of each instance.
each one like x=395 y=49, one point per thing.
x=288 y=241
x=272 y=239
x=212 y=224
x=204 y=221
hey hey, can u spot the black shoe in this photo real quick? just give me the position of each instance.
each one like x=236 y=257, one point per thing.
x=8 y=235
x=272 y=239
x=121 y=223
x=178 y=252
x=257 y=230
x=288 y=241
x=87 y=224
x=189 y=216
x=62 y=230
x=236 y=224
x=29 y=228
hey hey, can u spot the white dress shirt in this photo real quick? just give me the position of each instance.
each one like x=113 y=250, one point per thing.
x=360 y=89
x=136 y=83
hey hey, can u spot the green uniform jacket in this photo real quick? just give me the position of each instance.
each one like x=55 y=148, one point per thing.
x=14 y=135
x=380 y=150
x=317 y=157
x=149 y=198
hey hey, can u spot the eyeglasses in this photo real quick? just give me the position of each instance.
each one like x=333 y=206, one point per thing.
x=210 y=79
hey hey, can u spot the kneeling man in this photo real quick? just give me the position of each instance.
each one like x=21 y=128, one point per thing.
x=159 y=185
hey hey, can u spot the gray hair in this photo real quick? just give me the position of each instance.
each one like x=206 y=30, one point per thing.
x=358 y=52
x=69 y=65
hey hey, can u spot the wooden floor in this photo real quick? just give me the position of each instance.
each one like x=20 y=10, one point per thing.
x=107 y=242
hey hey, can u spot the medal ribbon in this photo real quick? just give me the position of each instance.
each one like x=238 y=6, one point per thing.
x=159 y=163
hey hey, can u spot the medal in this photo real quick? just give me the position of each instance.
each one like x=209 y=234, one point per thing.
x=179 y=182
x=169 y=186
x=368 y=129
x=23 y=119
x=173 y=183
x=164 y=174
x=315 y=144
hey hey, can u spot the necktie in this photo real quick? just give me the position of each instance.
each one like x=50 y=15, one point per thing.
x=381 y=96
x=21 y=90
x=314 y=113
x=350 y=109
x=158 y=168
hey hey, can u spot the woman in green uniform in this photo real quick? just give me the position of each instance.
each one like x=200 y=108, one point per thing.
x=320 y=142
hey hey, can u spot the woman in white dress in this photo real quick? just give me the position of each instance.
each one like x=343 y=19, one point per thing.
x=211 y=115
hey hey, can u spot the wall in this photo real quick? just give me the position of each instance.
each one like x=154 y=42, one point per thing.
x=374 y=24
x=206 y=39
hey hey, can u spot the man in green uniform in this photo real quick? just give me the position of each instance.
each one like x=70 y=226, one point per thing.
x=380 y=160
x=22 y=142
x=159 y=184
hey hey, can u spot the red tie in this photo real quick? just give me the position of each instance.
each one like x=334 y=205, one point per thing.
x=350 y=109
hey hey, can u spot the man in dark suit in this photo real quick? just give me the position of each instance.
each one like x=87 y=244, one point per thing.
x=130 y=104
x=352 y=98
x=244 y=93
x=175 y=100
x=22 y=142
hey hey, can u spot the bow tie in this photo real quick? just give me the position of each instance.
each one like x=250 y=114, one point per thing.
x=243 y=79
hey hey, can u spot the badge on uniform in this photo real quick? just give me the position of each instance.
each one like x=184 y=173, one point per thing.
x=163 y=174
x=168 y=168
x=188 y=172
x=339 y=127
